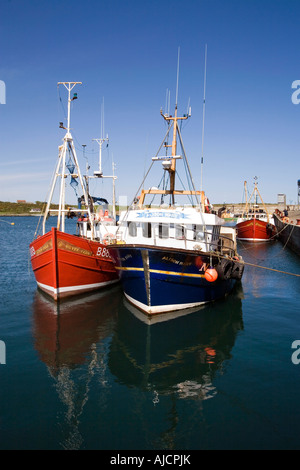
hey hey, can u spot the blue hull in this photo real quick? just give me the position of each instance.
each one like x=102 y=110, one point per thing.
x=159 y=280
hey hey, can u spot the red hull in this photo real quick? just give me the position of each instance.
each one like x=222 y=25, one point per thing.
x=255 y=230
x=65 y=265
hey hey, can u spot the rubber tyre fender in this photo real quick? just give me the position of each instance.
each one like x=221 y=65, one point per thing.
x=224 y=268
x=237 y=270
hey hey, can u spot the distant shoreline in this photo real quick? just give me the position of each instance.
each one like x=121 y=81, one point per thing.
x=230 y=207
x=20 y=215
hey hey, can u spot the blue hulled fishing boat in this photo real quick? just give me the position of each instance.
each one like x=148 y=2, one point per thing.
x=174 y=255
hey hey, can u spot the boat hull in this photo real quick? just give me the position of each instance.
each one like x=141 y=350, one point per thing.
x=158 y=280
x=255 y=230
x=288 y=234
x=65 y=265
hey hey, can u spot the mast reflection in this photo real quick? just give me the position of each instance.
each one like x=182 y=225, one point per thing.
x=72 y=338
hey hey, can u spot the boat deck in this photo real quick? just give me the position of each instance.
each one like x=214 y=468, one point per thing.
x=293 y=216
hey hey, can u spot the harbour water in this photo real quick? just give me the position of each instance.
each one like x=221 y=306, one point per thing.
x=91 y=373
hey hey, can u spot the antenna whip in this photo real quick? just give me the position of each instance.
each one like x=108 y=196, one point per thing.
x=204 y=93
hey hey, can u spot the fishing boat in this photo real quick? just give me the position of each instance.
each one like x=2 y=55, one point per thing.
x=255 y=224
x=67 y=264
x=174 y=255
x=288 y=229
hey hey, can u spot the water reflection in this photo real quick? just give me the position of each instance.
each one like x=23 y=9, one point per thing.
x=95 y=343
x=175 y=353
x=64 y=332
x=71 y=334
x=272 y=282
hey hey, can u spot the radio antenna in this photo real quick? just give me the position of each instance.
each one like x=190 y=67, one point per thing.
x=204 y=93
x=177 y=77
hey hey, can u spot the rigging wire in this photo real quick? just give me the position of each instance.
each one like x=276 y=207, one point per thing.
x=189 y=171
x=161 y=181
x=145 y=177
x=61 y=103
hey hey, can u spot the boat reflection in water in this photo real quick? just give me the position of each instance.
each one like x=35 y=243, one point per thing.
x=72 y=339
x=176 y=353
x=94 y=344
x=65 y=332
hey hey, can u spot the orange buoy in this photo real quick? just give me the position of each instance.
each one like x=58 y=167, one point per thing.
x=211 y=274
x=211 y=353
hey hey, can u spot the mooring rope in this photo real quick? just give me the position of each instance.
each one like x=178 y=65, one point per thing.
x=271 y=269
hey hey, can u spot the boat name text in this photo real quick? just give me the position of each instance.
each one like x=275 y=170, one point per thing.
x=166 y=215
x=176 y=261
x=102 y=251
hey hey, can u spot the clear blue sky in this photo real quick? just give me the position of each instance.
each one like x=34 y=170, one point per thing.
x=126 y=54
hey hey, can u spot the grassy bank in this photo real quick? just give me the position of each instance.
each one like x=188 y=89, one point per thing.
x=22 y=208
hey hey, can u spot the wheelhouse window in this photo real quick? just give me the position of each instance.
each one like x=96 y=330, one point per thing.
x=216 y=231
x=198 y=233
x=132 y=229
x=163 y=231
x=147 y=232
x=179 y=232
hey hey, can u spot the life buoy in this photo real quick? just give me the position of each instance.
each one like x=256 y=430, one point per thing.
x=285 y=220
x=107 y=238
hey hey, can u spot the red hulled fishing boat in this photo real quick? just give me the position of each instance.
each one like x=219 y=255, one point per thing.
x=255 y=223
x=67 y=264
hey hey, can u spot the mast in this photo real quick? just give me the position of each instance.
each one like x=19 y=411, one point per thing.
x=67 y=146
x=264 y=206
x=254 y=195
x=169 y=163
x=174 y=157
x=99 y=173
x=100 y=142
x=246 y=200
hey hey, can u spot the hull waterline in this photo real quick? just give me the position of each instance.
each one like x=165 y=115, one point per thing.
x=158 y=280
x=255 y=230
